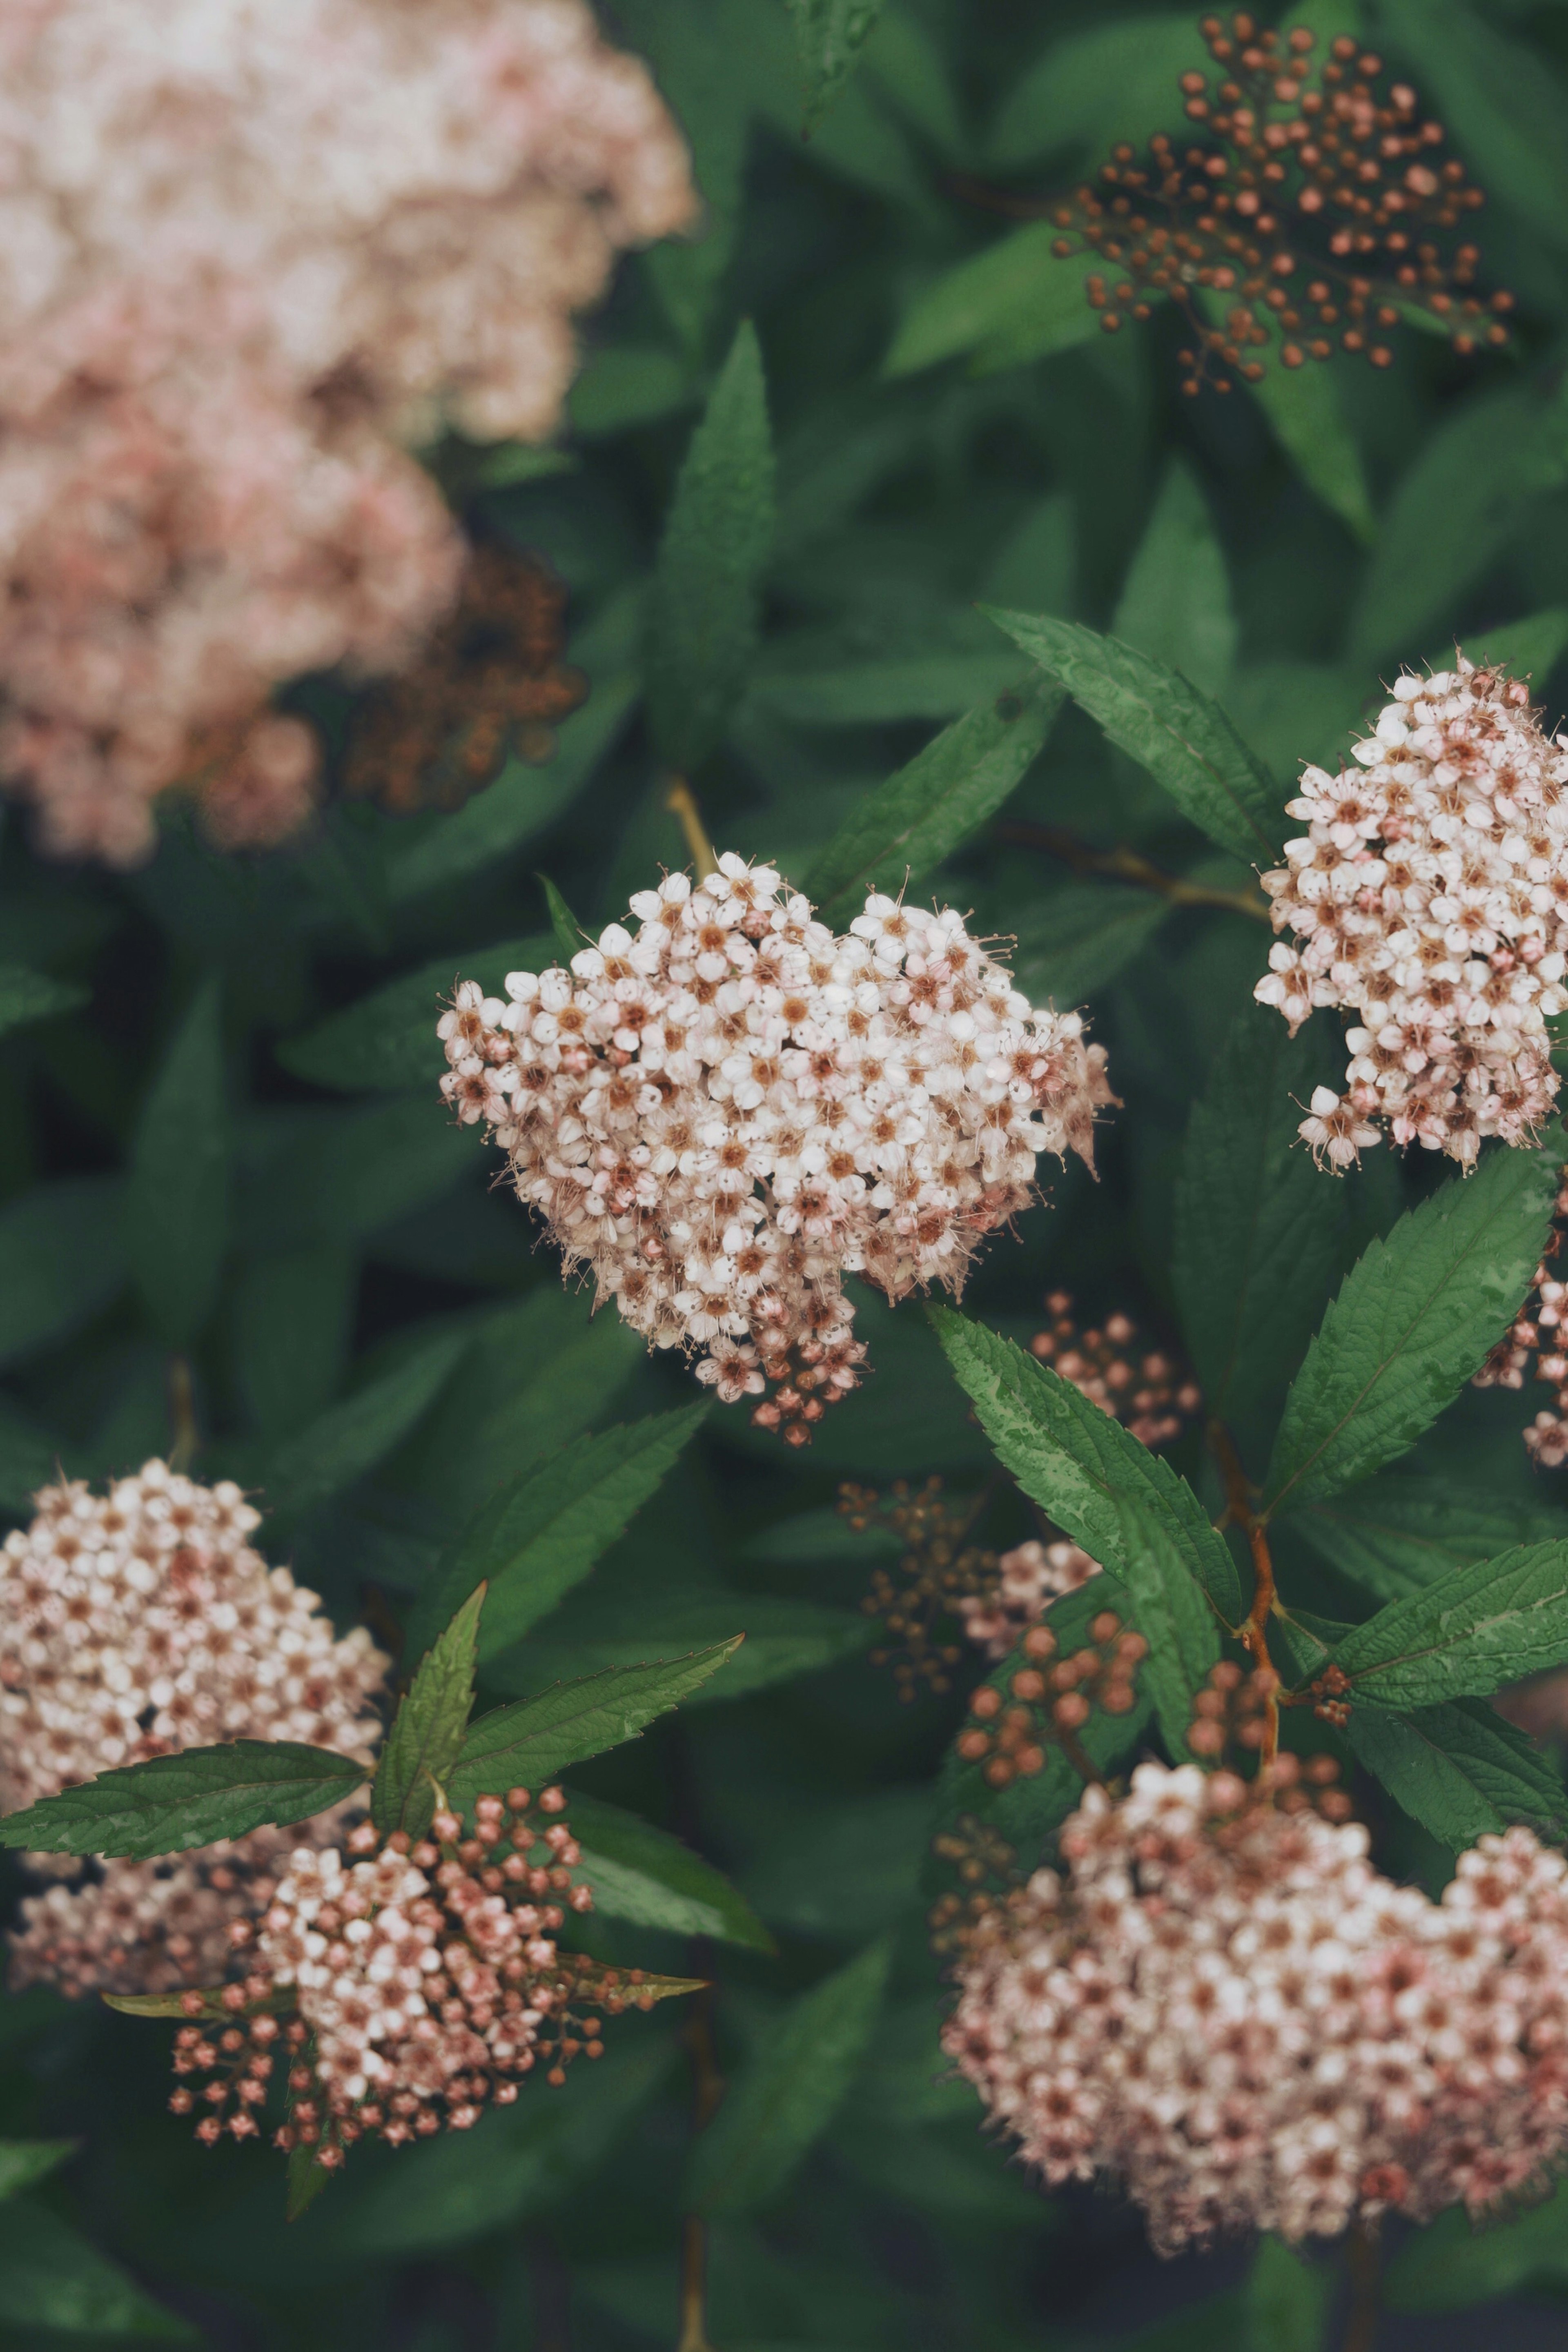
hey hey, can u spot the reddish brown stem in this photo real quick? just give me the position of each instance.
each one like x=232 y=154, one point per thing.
x=1127 y=865
x=1255 y=1632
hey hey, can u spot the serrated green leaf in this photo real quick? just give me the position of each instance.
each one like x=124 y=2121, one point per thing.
x=542 y=1535
x=1175 y=602
x=51 y=2278
x=565 y=929
x=1181 y=736
x=1122 y=1503
x=1459 y=1771
x=1399 y=1533
x=644 y=1875
x=387 y=1042
x=429 y=1730
x=830 y=35
x=788 y=2092
x=350 y=1437
x=62 y=1256
x=1467 y=1635
x=531 y=1742
x=171 y=1803
x=25 y=2161
x=921 y=814
x=1258 y=1234
x=1413 y=1321
x=717 y=538
x=26 y=996
x=177 y=1194
x=1016 y=302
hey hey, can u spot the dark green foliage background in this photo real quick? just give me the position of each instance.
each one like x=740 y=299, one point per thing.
x=220 y=1133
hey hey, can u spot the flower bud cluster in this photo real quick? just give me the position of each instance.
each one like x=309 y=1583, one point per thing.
x=133 y=1623
x=1027 y=1581
x=1429 y=896
x=725 y=1112
x=1539 y=1329
x=1051 y=1699
x=1224 y=2005
x=1146 y=1391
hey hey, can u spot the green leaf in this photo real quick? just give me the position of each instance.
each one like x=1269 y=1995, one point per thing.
x=567 y=931
x=387 y=1042
x=293 y=1324
x=339 y=1173
x=789 y=2090
x=29 y=1458
x=1182 y=738
x=1499 y=100
x=305 y=2178
x=1304 y=409
x=878 y=693
x=429 y=1727
x=596 y=1627
x=1451 y=2264
x=26 y=996
x=1074 y=942
x=176 y=1196
x=171 y=1803
x=627 y=385
x=830 y=35
x=24 y=2161
x=1175 y=603
x=1530 y=648
x=1122 y=1503
x=542 y=1535
x=850 y=1869
x=1258 y=1232
x=1016 y=302
x=1472 y=1631
x=1459 y=1771
x=530 y=1742
x=51 y=2277
x=1413 y=1321
x=1093 y=90
x=920 y=816
x=1399 y=1533
x=1286 y=2302
x=352 y=1437
x=703 y=622
x=646 y=1876
x=62 y=1257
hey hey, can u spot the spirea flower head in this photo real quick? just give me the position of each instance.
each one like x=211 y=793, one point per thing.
x=133 y=1623
x=252 y=253
x=1429 y=898
x=1223 y=2005
x=724 y=1112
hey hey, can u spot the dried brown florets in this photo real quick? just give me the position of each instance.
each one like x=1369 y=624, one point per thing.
x=489 y=681
x=1308 y=210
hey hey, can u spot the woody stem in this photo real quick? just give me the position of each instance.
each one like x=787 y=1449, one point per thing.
x=181 y=1414
x=681 y=803
x=1255 y=1632
x=1127 y=865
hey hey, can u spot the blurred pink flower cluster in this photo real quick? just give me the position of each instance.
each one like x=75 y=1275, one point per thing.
x=249 y=255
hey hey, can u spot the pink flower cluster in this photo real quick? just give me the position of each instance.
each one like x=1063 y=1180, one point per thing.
x=1226 y=2007
x=132 y=1625
x=249 y=253
x=1028 y=1578
x=1429 y=896
x=724 y=1113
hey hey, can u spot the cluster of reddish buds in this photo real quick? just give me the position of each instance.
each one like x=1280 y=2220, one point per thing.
x=807 y=1374
x=1539 y=1329
x=935 y=1576
x=1232 y=1711
x=1046 y=1702
x=1147 y=1392
x=1310 y=219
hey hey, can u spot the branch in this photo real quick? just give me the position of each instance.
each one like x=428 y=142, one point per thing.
x=681 y=803
x=1127 y=865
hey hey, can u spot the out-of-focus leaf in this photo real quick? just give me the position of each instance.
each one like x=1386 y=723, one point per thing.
x=646 y=1876
x=921 y=814
x=1076 y=939
x=528 y=1743
x=1398 y=1534
x=25 y=2161
x=1452 y=2264
x=534 y=1541
x=849 y=1871
x=1175 y=601
x=62 y=1256
x=627 y=385
x=1016 y=300
x=872 y=693
x=387 y=1042
x=29 y=1458
x=1413 y=1320
x=26 y=996
x=1459 y=1771
x=1466 y=1634
x=1499 y=100
x=1531 y=648
x=1124 y=1504
x=1286 y=2302
x=566 y=930
x=304 y=2182
x=1094 y=89
x=786 y=2095
x=352 y=1437
x=51 y=2278
x=293 y=1328
x=1182 y=738
x=171 y=1803
x=716 y=543
x=336 y=1175
x=830 y=35
x=595 y=1629
x=176 y=1197
x=429 y=1727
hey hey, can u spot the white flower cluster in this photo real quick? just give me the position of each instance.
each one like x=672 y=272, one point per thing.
x=1226 y=2007
x=1027 y=1578
x=1430 y=897
x=250 y=252
x=724 y=1113
x=131 y=1624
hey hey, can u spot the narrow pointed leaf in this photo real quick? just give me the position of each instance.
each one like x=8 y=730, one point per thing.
x=1413 y=1320
x=646 y=1876
x=174 y=1803
x=177 y=1194
x=24 y=2161
x=568 y=932
x=427 y=1732
x=531 y=1742
x=1181 y=736
x=304 y=2180
x=52 y=2278
x=830 y=35
x=352 y=1437
x=899 y=833
x=1465 y=1635
x=26 y=996
x=1122 y=1503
